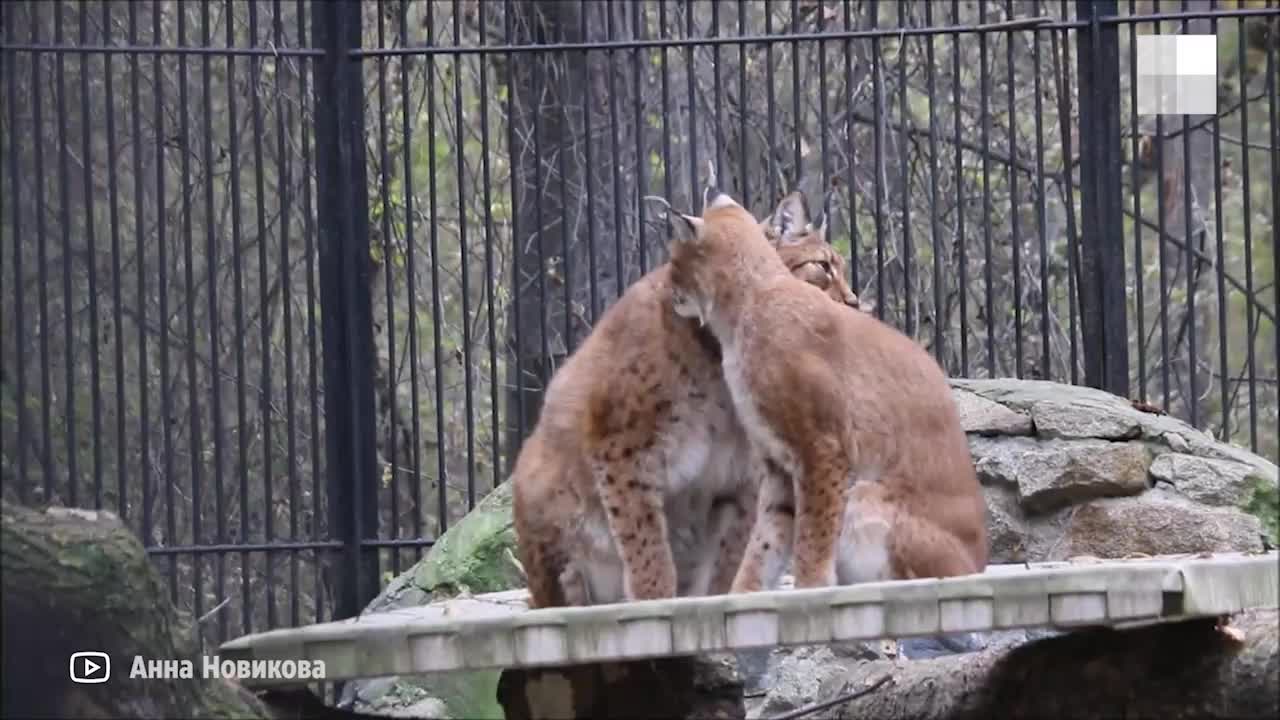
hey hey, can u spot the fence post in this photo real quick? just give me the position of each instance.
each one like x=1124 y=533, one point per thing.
x=346 y=304
x=1102 y=266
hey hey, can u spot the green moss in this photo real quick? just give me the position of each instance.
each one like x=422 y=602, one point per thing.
x=1264 y=502
x=473 y=555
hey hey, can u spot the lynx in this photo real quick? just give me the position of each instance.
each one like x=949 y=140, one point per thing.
x=633 y=483
x=868 y=472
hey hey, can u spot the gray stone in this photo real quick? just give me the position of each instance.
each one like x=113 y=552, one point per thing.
x=1076 y=412
x=1207 y=480
x=425 y=709
x=1052 y=474
x=1006 y=530
x=980 y=416
x=1158 y=522
x=797 y=677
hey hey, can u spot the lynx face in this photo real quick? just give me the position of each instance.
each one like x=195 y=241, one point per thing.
x=802 y=244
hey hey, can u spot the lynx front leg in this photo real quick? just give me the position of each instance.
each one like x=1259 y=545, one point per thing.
x=632 y=498
x=771 y=537
x=819 y=510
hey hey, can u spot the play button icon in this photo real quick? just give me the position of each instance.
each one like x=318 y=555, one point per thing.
x=90 y=667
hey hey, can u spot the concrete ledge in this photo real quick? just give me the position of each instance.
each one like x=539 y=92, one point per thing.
x=498 y=631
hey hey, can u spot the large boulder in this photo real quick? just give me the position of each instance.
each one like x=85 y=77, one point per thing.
x=1071 y=470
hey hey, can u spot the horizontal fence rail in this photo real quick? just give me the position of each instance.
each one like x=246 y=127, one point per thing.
x=283 y=282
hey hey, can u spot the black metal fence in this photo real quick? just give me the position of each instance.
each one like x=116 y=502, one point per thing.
x=282 y=281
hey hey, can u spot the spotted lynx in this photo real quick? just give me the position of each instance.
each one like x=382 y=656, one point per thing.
x=868 y=472
x=634 y=482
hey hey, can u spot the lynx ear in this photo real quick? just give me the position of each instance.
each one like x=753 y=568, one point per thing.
x=824 y=213
x=789 y=219
x=712 y=190
x=684 y=228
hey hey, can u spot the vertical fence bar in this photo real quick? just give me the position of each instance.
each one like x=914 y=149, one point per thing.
x=1135 y=164
x=189 y=286
x=1273 y=110
x=64 y=220
x=1101 y=284
x=388 y=281
x=962 y=247
x=940 y=318
x=1220 y=272
x=464 y=269
x=1015 y=202
x=988 y=266
x=1246 y=216
x=347 y=313
x=411 y=281
x=216 y=426
x=19 y=311
x=490 y=274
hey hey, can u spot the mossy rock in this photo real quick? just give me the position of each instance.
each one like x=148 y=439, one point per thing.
x=1264 y=503
x=475 y=556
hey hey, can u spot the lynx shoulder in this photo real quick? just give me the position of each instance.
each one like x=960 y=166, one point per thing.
x=867 y=470
x=633 y=483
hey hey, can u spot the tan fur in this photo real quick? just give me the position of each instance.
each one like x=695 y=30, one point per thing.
x=635 y=482
x=865 y=460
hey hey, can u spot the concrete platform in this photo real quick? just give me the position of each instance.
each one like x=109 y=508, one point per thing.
x=498 y=631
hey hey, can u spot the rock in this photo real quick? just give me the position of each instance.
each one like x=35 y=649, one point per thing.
x=1157 y=523
x=1207 y=480
x=426 y=709
x=980 y=416
x=475 y=556
x=1052 y=474
x=1075 y=412
x=796 y=676
x=1006 y=530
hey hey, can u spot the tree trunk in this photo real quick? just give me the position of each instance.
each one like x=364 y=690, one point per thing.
x=1181 y=670
x=575 y=244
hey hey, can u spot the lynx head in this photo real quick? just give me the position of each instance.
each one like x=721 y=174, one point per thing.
x=713 y=256
x=802 y=244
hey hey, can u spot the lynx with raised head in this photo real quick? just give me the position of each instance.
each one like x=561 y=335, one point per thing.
x=868 y=472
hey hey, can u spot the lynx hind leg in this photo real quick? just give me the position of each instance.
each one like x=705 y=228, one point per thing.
x=543 y=576
x=882 y=542
x=574 y=586
x=771 y=537
x=921 y=549
x=633 y=502
x=864 y=552
x=732 y=521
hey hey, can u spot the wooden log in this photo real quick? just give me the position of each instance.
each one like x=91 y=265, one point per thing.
x=675 y=687
x=1190 y=669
